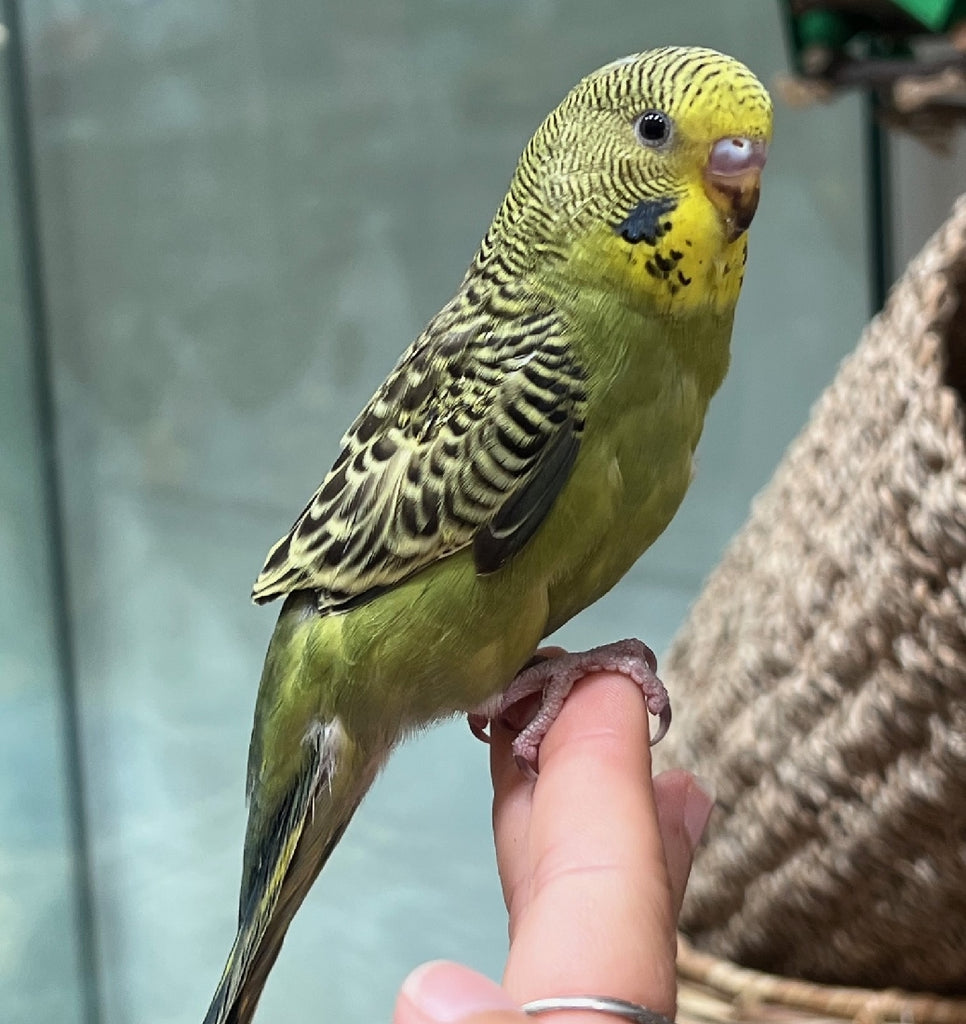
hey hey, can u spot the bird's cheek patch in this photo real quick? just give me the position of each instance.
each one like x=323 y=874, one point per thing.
x=647 y=222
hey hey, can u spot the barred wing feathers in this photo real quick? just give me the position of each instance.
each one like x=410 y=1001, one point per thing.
x=467 y=443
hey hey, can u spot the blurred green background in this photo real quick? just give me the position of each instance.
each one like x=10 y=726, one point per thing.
x=246 y=210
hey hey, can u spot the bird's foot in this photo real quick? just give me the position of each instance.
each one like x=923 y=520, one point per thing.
x=554 y=677
x=479 y=723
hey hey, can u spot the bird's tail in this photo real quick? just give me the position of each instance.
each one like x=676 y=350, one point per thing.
x=302 y=833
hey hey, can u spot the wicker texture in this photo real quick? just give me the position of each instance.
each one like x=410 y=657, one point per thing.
x=820 y=679
x=713 y=991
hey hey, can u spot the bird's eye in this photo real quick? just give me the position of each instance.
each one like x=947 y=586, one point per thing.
x=653 y=128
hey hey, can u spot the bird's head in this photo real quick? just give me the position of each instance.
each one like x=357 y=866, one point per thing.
x=646 y=178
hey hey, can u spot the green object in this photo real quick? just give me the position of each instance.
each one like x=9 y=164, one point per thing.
x=529 y=446
x=833 y=26
x=935 y=15
x=823 y=28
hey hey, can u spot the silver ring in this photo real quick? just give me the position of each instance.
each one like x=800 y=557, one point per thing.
x=602 y=1004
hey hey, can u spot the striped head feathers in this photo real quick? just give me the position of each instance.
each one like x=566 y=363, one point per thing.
x=646 y=174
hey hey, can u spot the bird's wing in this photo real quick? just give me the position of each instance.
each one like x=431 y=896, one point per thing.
x=467 y=444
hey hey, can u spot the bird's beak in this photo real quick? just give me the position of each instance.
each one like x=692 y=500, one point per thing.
x=732 y=180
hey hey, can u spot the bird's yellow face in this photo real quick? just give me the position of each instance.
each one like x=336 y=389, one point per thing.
x=649 y=172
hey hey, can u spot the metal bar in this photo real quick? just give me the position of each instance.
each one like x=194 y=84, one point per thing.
x=879 y=212
x=24 y=188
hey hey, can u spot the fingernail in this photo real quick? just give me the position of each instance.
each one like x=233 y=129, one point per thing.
x=445 y=992
x=698 y=805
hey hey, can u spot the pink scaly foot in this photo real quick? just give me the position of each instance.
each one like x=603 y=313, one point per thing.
x=555 y=677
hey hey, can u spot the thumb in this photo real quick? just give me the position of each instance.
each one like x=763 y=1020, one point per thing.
x=441 y=992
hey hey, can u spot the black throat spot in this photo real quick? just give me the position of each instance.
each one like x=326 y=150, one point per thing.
x=645 y=222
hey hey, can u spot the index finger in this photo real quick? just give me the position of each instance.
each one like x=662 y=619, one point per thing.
x=581 y=857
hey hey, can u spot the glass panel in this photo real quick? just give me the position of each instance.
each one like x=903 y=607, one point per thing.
x=39 y=980
x=249 y=210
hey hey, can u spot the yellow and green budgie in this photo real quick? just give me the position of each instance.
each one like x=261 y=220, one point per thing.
x=530 y=444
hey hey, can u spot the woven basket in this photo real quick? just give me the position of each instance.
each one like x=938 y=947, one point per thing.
x=820 y=680
x=715 y=991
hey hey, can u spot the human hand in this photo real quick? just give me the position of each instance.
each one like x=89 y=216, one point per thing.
x=593 y=858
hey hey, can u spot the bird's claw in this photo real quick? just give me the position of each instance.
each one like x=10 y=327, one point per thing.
x=555 y=677
x=663 y=721
x=479 y=726
x=528 y=769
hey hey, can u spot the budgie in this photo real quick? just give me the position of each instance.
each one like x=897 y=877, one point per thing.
x=525 y=450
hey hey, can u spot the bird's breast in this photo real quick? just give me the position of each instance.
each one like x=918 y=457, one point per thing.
x=627 y=484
